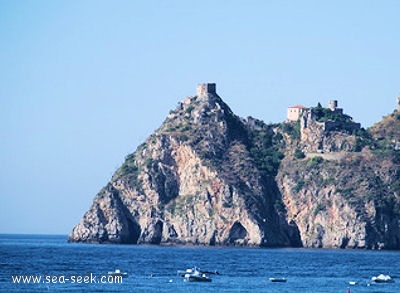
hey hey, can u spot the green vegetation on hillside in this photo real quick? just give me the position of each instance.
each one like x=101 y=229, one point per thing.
x=265 y=151
x=324 y=114
x=291 y=128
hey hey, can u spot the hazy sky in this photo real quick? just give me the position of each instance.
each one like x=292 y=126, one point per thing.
x=83 y=83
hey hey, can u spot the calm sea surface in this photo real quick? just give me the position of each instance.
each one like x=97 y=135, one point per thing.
x=153 y=268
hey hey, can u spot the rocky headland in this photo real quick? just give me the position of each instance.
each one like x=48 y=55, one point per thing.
x=209 y=177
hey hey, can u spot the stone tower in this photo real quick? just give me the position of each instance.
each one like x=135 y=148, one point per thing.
x=398 y=104
x=333 y=105
x=206 y=88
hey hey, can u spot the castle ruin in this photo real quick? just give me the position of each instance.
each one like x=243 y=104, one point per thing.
x=206 y=88
x=317 y=124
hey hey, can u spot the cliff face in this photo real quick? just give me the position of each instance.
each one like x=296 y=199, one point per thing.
x=344 y=203
x=208 y=177
x=347 y=195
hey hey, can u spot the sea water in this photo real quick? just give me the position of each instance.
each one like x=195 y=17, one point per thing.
x=154 y=268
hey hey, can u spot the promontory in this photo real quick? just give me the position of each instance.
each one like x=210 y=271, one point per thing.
x=209 y=177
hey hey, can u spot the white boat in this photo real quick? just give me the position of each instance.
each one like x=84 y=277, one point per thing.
x=194 y=275
x=182 y=273
x=197 y=277
x=382 y=279
x=118 y=273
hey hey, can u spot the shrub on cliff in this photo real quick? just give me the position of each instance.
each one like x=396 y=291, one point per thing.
x=292 y=129
x=298 y=154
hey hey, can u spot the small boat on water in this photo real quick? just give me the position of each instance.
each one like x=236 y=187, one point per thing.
x=117 y=273
x=182 y=273
x=382 y=279
x=278 y=280
x=195 y=275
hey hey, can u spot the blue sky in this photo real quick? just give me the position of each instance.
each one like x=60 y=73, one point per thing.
x=83 y=83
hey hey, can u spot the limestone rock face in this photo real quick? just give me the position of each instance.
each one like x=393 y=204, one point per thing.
x=322 y=137
x=344 y=203
x=108 y=220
